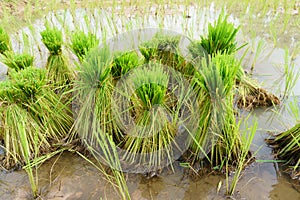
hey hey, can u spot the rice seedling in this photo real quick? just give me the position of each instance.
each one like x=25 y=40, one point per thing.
x=151 y=131
x=17 y=61
x=33 y=119
x=259 y=48
x=243 y=157
x=27 y=91
x=291 y=75
x=21 y=138
x=58 y=69
x=165 y=49
x=20 y=131
x=82 y=43
x=287 y=147
x=123 y=63
x=293 y=109
x=95 y=125
x=5 y=44
x=93 y=90
x=220 y=39
x=52 y=38
x=217 y=131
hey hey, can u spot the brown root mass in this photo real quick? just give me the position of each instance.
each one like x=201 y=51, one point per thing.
x=260 y=98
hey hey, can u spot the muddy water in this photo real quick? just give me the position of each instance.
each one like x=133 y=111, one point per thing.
x=68 y=176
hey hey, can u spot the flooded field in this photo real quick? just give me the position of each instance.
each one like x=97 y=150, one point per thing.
x=69 y=176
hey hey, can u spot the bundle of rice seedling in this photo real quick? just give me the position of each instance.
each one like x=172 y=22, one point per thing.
x=155 y=110
x=17 y=61
x=93 y=90
x=59 y=71
x=287 y=147
x=217 y=137
x=82 y=43
x=221 y=39
x=152 y=131
x=123 y=63
x=95 y=125
x=165 y=49
x=26 y=95
x=5 y=44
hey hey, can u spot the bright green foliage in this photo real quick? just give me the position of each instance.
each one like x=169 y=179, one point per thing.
x=151 y=86
x=5 y=44
x=59 y=72
x=52 y=38
x=23 y=86
x=220 y=39
x=123 y=63
x=17 y=61
x=82 y=43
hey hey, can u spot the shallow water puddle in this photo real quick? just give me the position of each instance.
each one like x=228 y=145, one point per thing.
x=68 y=176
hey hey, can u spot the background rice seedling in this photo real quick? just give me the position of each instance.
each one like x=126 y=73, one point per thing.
x=166 y=49
x=5 y=44
x=59 y=71
x=82 y=43
x=220 y=39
